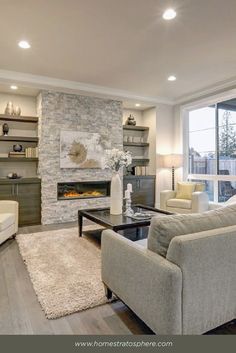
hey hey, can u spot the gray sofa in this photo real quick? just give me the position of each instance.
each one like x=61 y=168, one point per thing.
x=191 y=289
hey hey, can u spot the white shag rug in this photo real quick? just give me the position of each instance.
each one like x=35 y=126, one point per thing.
x=65 y=270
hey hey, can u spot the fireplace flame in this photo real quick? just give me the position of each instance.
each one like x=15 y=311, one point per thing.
x=83 y=194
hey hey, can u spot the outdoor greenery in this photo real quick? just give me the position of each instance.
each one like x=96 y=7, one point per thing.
x=227 y=138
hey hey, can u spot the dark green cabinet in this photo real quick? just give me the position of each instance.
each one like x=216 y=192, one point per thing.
x=143 y=189
x=28 y=193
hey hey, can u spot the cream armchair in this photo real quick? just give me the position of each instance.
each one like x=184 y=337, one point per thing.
x=8 y=219
x=195 y=201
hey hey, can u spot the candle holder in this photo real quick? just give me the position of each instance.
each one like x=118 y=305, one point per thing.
x=129 y=212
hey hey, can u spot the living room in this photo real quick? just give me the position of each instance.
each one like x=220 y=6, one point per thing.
x=118 y=168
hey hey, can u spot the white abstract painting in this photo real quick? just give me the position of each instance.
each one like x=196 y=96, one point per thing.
x=81 y=150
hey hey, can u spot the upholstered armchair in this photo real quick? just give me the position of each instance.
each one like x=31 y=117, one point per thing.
x=188 y=198
x=8 y=219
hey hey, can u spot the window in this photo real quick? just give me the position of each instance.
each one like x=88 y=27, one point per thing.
x=212 y=149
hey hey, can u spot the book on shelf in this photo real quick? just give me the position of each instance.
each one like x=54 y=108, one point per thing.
x=140 y=170
x=17 y=154
x=3 y=155
x=31 y=152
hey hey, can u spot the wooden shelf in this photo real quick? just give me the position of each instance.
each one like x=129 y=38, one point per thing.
x=20 y=119
x=18 y=159
x=19 y=138
x=136 y=144
x=135 y=128
x=146 y=160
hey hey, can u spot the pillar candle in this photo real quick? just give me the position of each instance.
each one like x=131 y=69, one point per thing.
x=129 y=187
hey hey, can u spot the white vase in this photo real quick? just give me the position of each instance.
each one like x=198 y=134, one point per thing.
x=116 y=195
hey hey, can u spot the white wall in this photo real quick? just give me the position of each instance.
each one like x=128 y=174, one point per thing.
x=150 y=120
x=26 y=103
x=164 y=145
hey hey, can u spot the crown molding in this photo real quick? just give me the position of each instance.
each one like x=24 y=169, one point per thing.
x=213 y=89
x=45 y=82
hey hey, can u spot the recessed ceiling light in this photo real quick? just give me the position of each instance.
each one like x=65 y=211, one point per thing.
x=137 y=105
x=24 y=44
x=169 y=14
x=14 y=87
x=171 y=78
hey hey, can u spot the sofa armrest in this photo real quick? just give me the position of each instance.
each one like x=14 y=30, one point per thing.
x=215 y=205
x=149 y=284
x=166 y=195
x=10 y=207
x=200 y=202
x=208 y=262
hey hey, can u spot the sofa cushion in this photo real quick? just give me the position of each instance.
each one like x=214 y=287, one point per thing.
x=185 y=190
x=179 y=203
x=163 y=229
x=230 y=201
x=6 y=220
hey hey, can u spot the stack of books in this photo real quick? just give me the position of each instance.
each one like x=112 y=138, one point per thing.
x=140 y=170
x=3 y=155
x=31 y=152
x=17 y=154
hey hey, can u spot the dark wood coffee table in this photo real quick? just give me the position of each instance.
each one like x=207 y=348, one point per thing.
x=103 y=217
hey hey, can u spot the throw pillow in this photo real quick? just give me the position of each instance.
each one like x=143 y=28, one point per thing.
x=164 y=229
x=200 y=187
x=185 y=190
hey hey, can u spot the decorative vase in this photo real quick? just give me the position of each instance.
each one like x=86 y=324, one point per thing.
x=116 y=195
x=9 y=109
x=17 y=111
x=17 y=148
x=5 y=129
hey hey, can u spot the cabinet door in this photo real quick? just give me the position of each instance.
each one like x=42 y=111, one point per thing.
x=147 y=190
x=132 y=181
x=7 y=192
x=29 y=198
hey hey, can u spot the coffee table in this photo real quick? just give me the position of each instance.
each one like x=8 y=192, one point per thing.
x=103 y=217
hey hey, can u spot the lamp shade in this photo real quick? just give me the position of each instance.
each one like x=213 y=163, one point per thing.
x=172 y=160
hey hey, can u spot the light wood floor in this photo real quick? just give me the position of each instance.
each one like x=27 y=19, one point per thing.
x=20 y=312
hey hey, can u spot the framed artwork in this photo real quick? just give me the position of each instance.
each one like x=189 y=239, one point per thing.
x=81 y=150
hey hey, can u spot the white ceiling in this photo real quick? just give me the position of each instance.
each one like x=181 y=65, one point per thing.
x=123 y=45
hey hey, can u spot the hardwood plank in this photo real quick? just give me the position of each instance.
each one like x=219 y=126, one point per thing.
x=5 y=317
x=20 y=320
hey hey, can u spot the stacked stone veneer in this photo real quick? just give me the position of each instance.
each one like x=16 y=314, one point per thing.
x=59 y=111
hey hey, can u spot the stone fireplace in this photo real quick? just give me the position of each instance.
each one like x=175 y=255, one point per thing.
x=83 y=190
x=71 y=112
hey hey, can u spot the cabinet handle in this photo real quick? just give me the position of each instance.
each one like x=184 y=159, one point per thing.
x=12 y=189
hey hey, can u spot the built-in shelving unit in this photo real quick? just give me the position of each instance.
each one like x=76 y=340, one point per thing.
x=136 y=144
x=19 y=139
x=20 y=126
x=135 y=140
x=18 y=159
x=135 y=128
x=20 y=119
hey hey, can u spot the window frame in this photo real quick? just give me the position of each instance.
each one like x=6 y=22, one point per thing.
x=184 y=114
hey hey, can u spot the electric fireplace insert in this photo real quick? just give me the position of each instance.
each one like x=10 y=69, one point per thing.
x=83 y=190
